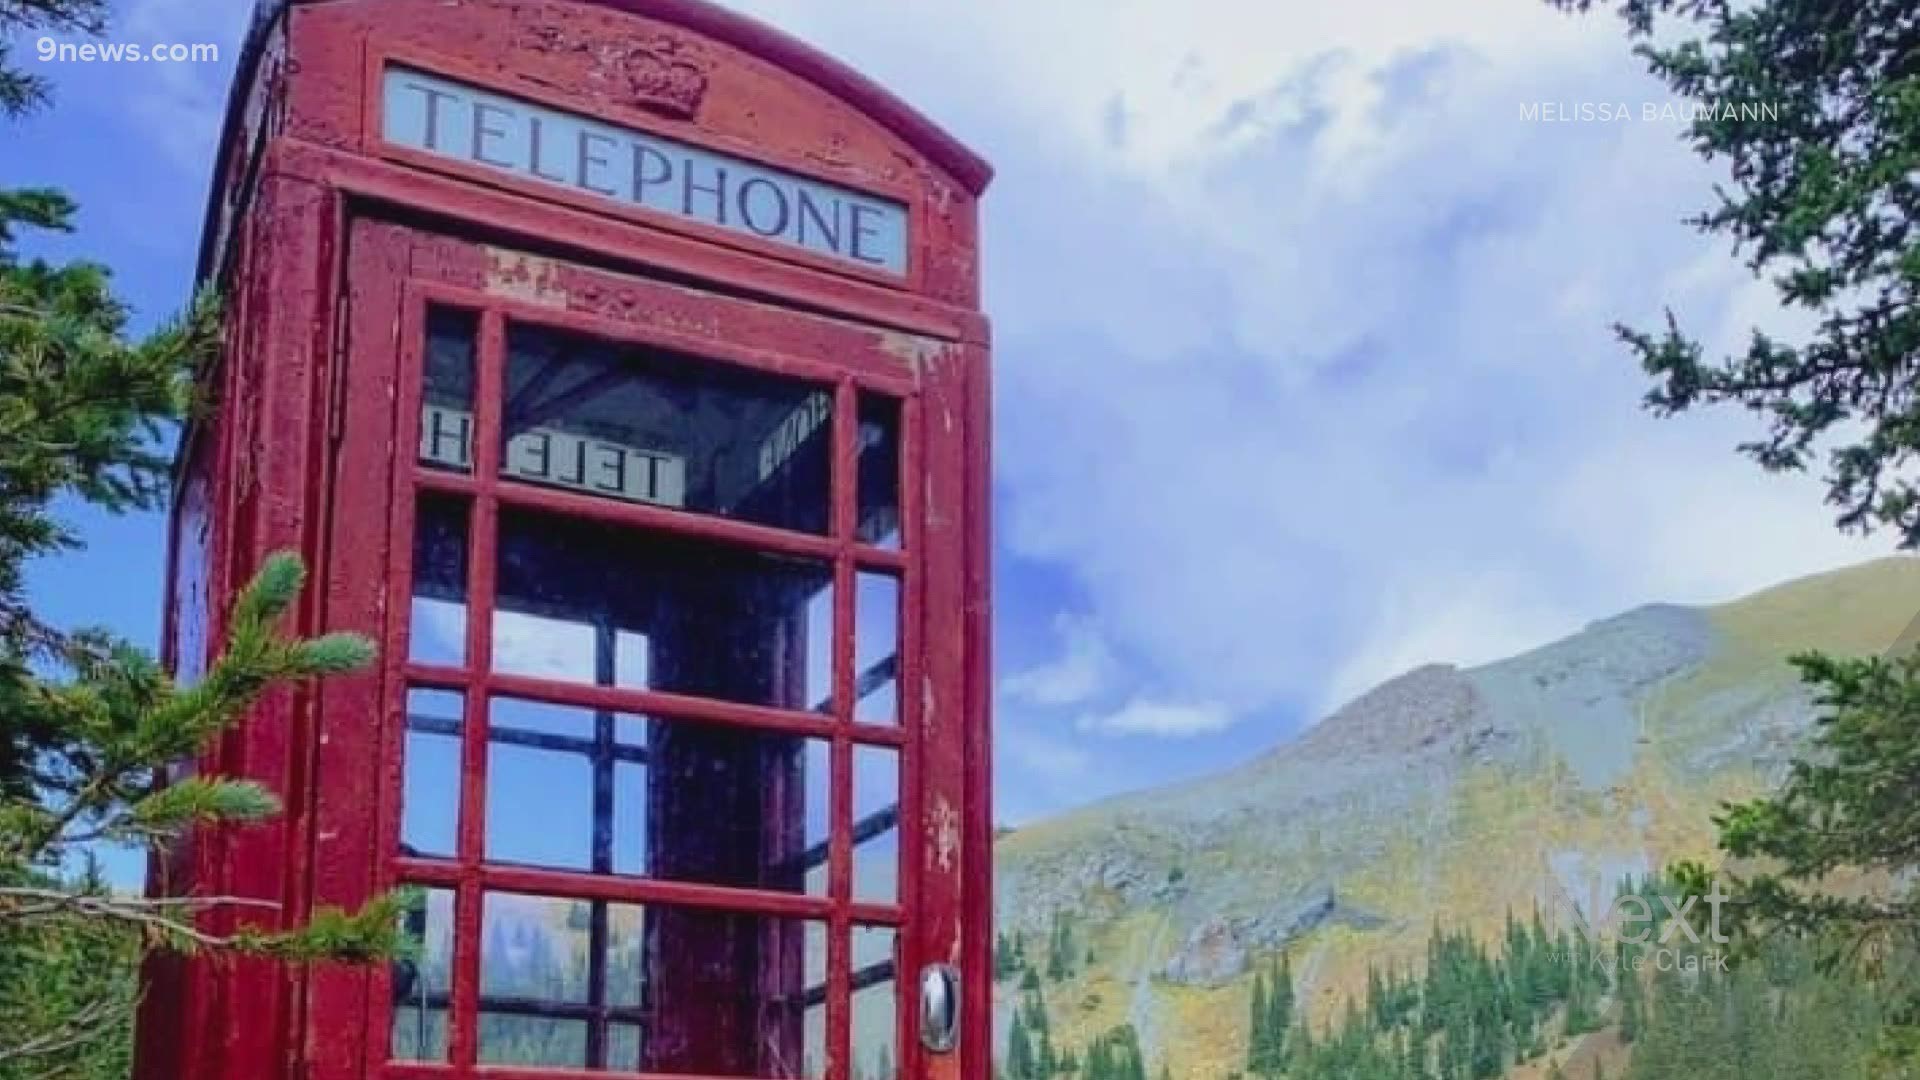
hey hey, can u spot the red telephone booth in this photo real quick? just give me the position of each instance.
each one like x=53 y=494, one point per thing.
x=617 y=366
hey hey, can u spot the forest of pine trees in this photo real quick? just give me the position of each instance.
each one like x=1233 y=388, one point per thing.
x=1475 y=1010
x=1032 y=1053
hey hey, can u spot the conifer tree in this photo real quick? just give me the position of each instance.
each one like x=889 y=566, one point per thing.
x=1632 y=996
x=88 y=724
x=1060 y=952
x=1009 y=956
x=1280 y=1011
x=1020 y=1064
x=1258 y=1046
x=1821 y=202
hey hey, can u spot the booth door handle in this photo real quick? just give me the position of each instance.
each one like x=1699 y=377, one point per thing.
x=939 y=1007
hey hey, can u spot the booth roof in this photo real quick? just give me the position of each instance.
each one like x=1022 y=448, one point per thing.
x=708 y=20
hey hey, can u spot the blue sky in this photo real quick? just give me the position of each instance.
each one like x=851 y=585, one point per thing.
x=1303 y=370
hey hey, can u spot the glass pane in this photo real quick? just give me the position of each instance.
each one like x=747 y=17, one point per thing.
x=879 y=492
x=561 y=985
x=422 y=979
x=592 y=603
x=575 y=789
x=876 y=824
x=438 y=631
x=813 y=1023
x=554 y=778
x=875 y=1010
x=646 y=426
x=817 y=766
x=509 y=1039
x=430 y=795
x=554 y=975
x=876 y=649
x=629 y=817
x=623 y=1047
x=738 y=807
x=446 y=399
x=819 y=658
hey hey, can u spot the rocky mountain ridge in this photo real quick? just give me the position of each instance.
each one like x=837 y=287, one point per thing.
x=1443 y=795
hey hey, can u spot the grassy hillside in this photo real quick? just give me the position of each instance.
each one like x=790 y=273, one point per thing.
x=1446 y=797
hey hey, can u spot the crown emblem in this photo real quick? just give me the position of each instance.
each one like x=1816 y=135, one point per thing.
x=663 y=79
x=662 y=75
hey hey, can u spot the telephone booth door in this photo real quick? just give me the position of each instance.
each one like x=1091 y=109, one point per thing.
x=650 y=570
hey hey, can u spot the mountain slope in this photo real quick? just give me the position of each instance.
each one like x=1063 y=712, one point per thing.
x=1445 y=795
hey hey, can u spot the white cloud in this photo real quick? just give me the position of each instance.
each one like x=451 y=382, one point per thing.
x=1304 y=369
x=1050 y=757
x=1462 y=618
x=1163 y=719
x=1082 y=671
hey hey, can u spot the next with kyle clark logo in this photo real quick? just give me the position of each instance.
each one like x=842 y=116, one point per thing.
x=1642 y=929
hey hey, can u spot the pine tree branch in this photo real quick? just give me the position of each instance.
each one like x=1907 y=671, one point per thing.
x=54 y=901
x=89 y=1024
x=151 y=917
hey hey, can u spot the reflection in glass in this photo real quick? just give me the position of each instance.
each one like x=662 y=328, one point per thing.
x=584 y=984
x=876 y=649
x=738 y=807
x=446 y=399
x=554 y=787
x=814 y=1021
x=592 y=603
x=819 y=661
x=879 y=472
x=422 y=980
x=556 y=976
x=579 y=789
x=817 y=765
x=875 y=1004
x=876 y=824
x=430 y=793
x=437 y=632
x=645 y=426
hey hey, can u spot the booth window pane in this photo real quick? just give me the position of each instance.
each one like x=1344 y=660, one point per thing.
x=879 y=471
x=438 y=628
x=623 y=1047
x=816 y=764
x=446 y=398
x=430 y=795
x=422 y=981
x=875 y=1012
x=581 y=984
x=591 y=603
x=629 y=817
x=738 y=807
x=876 y=649
x=569 y=789
x=876 y=824
x=553 y=786
x=510 y=1039
x=647 y=426
x=555 y=976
